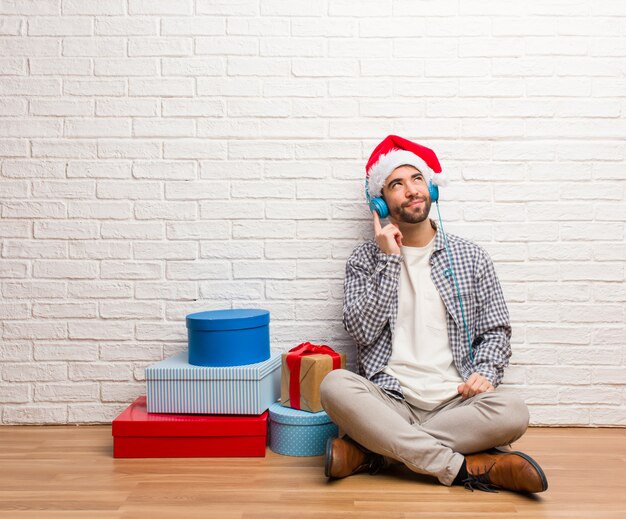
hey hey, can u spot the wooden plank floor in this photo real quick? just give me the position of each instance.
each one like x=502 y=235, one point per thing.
x=69 y=471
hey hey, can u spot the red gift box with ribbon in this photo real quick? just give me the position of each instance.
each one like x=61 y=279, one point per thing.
x=303 y=369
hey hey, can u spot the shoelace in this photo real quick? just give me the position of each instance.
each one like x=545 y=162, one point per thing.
x=480 y=481
x=474 y=482
x=376 y=463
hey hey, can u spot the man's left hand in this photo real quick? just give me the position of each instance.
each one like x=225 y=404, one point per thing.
x=475 y=384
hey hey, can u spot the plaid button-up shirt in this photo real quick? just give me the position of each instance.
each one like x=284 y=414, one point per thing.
x=370 y=308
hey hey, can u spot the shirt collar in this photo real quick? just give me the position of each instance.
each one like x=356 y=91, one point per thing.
x=439 y=239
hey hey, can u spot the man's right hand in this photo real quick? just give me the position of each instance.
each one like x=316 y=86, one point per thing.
x=388 y=238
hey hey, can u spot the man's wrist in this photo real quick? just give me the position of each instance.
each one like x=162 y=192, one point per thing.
x=487 y=374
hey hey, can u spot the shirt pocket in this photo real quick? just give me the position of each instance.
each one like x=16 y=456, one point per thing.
x=469 y=310
x=435 y=313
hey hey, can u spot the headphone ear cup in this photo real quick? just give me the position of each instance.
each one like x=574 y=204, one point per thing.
x=433 y=190
x=380 y=206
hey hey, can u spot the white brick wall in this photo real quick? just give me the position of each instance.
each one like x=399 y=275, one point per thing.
x=163 y=157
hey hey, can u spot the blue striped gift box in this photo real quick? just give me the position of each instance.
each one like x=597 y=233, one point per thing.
x=175 y=386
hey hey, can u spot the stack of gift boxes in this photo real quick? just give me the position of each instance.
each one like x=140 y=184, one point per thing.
x=220 y=397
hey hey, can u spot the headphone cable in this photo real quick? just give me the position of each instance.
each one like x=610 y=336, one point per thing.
x=445 y=239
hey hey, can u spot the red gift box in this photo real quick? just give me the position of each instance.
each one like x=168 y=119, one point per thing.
x=139 y=434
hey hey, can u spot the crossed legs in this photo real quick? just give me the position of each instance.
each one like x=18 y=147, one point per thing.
x=432 y=442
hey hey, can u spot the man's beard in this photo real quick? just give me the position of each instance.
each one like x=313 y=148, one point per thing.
x=412 y=214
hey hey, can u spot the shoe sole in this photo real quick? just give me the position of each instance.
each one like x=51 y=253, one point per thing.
x=544 y=480
x=329 y=450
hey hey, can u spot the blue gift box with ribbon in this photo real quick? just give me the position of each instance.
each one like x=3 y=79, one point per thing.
x=228 y=337
x=299 y=433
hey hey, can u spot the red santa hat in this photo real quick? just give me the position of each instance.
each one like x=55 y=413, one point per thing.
x=396 y=151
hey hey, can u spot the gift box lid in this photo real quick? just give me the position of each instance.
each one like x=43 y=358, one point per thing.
x=136 y=421
x=287 y=415
x=177 y=367
x=236 y=319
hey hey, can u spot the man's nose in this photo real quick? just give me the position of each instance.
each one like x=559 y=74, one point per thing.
x=411 y=190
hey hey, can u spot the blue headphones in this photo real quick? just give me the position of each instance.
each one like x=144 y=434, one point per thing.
x=379 y=205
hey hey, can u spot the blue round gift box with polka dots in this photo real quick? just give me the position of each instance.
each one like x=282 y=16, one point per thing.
x=299 y=433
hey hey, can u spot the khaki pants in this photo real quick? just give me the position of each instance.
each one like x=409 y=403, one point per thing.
x=428 y=442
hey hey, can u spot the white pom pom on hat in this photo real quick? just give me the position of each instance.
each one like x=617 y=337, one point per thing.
x=395 y=151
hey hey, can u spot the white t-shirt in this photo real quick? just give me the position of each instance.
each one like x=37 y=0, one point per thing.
x=421 y=357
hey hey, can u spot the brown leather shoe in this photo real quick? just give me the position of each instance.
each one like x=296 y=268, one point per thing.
x=512 y=471
x=345 y=457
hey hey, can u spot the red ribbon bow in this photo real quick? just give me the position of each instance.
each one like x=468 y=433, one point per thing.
x=294 y=361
